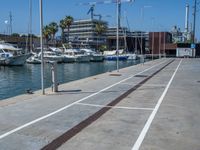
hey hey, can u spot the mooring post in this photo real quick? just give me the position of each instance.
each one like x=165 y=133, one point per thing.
x=54 y=76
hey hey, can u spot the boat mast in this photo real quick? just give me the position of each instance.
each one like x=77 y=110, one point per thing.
x=10 y=17
x=118 y=24
x=30 y=27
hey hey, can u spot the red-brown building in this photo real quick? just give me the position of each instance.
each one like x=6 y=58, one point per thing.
x=158 y=42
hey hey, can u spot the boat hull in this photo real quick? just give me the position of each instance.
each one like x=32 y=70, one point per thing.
x=69 y=59
x=97 y=58
x=14 y=61
x=115 y=57
x=83 y=58
x=33 y=60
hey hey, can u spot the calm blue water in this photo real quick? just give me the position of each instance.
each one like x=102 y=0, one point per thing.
x=16 y=80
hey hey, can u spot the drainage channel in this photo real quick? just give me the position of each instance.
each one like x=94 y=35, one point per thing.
x=56 y=143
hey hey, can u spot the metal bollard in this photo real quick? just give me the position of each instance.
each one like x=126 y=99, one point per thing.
x=54 y=76
x=142 y=59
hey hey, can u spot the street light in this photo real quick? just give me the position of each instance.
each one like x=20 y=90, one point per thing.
x=152 y=19
x=41 y=45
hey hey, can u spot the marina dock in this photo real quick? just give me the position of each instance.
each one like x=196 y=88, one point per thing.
x=150 y=106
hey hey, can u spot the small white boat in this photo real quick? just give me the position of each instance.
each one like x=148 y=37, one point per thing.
x=35 y=59
x=132 y=56
x=79 y=56
x=12 y=56
x=82 y=58
x=52 y=56
x=94 y=56
x=69 y=58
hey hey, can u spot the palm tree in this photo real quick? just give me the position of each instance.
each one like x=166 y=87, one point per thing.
x=63 y=26
x=53 y=26
x=46 y=34
x=100 y=28
x=68 y=20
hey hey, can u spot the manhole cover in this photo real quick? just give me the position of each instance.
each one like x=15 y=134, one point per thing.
x=115 y=74
x=141 y=76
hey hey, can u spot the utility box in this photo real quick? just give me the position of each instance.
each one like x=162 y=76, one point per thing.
x=54 y=76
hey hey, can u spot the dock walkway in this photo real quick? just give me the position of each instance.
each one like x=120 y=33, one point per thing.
x=149 y=107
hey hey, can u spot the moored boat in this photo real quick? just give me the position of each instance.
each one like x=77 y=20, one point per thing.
x=12 y=56
x=115 y=57
x=94 y=56
x=35 y=59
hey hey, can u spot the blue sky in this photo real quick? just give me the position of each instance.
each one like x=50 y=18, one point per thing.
x=161 y=15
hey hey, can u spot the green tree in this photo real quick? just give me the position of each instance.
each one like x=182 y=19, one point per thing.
x=63 y=26
x=15 y=35
x=53 y=27
x=68 y=20
x=46 y=34
x=100 y=28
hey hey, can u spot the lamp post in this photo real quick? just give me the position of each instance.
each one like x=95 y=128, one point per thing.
x=41 y=45
x=117 y=40
x=194 y=21
x=152 y=19
x=159 y=35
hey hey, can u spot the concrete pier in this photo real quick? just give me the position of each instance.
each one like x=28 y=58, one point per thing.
x=149 y=106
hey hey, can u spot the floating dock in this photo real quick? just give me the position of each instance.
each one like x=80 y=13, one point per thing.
x=149 y=106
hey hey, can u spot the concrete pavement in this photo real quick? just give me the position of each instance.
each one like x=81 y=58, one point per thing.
x=110 y=111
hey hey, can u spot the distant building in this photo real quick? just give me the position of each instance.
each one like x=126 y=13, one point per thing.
x=162 y=43
x=135 y=42
x=82 y=33
x=111 y=37
x=177 y=35
x=158 y=42
x=20 y=41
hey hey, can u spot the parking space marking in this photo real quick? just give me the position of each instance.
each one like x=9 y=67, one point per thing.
x=146 y=85
x=142 y=135
x=115 y=107
x=72 y=104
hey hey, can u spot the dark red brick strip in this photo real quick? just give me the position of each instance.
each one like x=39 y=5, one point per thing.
x=79 y=127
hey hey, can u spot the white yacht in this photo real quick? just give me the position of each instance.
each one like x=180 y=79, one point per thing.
x=94 y=56
x=132 y=56
x=52 y=56
x=78 y=55
x=69 y=58
x=12 y=56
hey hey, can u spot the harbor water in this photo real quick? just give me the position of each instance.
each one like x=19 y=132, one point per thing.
x=17 y=80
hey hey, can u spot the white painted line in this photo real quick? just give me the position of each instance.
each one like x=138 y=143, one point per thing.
x=145 y=85
x=151 y=117
x=115 y=107
x=67 y=106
